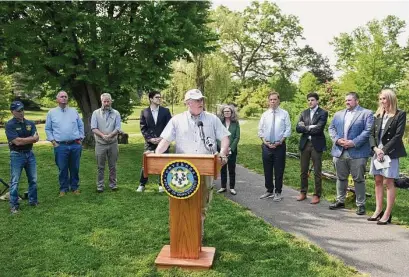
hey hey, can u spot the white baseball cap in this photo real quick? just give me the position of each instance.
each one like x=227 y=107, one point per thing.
x=194 y=94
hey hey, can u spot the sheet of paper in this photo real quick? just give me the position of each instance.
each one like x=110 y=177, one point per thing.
x=381 y=165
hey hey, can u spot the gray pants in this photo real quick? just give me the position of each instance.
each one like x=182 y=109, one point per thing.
x=344 y=166
x=102 y=152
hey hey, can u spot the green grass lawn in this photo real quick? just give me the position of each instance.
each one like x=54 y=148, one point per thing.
x=121 y=233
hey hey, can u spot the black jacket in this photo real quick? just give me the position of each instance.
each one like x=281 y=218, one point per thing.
x=317 y=133
x=392 y=136
x=148 y=127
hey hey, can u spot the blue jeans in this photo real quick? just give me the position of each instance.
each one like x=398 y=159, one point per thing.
x=67 y=158
x=18 y=161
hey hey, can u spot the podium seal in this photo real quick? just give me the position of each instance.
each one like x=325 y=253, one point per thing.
x=180 y=179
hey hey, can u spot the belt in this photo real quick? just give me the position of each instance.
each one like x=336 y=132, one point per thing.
x=66 y=142
x=21 y=151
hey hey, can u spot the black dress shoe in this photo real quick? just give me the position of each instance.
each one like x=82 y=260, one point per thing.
x=337 y=205
x=360 y=210
x=385 y=222
x=376 y=218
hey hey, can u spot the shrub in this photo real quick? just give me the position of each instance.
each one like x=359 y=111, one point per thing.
x=249 y=110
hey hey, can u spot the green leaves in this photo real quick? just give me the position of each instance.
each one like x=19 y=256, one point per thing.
x=373 y=54
x=261 y=41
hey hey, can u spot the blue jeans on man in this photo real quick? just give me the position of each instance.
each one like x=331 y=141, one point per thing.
x=67 y=158
x=18 y=161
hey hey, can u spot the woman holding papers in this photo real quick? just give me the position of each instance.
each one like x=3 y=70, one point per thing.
x=386 y=141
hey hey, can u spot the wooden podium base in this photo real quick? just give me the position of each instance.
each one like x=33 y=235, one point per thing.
x=205 y=261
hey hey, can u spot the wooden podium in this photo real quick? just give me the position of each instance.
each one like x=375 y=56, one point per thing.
x=185 y=221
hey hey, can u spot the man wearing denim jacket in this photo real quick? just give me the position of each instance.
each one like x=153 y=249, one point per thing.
x=21 y=134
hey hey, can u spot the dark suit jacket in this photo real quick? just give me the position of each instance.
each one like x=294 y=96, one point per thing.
x=392 y=136
x=148 y=127
x=317 y=133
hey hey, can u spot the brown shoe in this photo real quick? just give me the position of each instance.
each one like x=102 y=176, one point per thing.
x=302 y=196
x=62 y=193
x=315 y=200
x=76 y=192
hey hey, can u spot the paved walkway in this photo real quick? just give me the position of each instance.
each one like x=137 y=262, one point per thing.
x=377 y=250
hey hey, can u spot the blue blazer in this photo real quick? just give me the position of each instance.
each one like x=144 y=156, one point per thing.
x=358 y=132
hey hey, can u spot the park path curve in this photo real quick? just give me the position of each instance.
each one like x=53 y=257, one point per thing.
x=381 y=251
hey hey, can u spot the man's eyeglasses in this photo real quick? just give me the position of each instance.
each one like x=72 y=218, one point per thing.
x=157 y=97
x=19 y=111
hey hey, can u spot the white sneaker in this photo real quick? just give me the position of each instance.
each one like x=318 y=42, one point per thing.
x=161 y=189
x=140 y=188
x=277 y=197
x=221 y=190
x=233 y=191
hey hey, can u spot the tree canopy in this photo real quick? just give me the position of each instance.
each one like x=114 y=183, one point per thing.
x=261 y=41
x=88 y=48
x=372 y=57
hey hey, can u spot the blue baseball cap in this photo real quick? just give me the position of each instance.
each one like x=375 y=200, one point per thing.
x=16 y=106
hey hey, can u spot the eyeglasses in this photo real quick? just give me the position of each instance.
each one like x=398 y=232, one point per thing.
x=227 y=111
x=19 y=111
x=157 y=97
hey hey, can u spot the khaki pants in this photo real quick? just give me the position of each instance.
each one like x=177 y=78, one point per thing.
x=102 y=152
x=207 y=196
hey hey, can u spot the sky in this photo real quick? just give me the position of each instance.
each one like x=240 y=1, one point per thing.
x=323 y=20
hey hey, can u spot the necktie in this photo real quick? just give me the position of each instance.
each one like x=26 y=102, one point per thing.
x=272 y=132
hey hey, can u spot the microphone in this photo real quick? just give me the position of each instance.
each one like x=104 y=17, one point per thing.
x=208 y=142
x=200 y=125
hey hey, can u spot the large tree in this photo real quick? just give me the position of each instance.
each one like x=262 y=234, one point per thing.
x=373 y=57
x=210 y=73
x=261 y=41
x=88 y=48
x=317 y=64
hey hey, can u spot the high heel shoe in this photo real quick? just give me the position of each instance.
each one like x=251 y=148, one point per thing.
x=379 y=216
x=385 y=222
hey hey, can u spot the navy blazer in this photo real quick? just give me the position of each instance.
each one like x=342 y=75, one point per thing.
x=148 y=127
x=317 y=133
x=392 y=138
x=358 y=132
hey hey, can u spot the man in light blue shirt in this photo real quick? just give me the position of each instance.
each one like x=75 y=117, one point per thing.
x=273 y=129
x=65 y=129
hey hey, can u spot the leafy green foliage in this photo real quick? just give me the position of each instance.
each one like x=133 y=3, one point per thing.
x=5 y=95
x=308 y=83
x=261 y=41
x=284 y=86
x=250 y=110
x=317 y=64
x=88 y=48
x=374 y=56
x=213 y=78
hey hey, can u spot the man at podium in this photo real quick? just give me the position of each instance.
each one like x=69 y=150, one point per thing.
x=195 y=132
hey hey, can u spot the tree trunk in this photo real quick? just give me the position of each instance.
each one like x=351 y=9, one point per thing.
x=88 y=101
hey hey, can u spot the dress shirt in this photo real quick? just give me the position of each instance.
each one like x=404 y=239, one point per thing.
x=106 y=121
x=312 y=112
x=349 y=115
x=155 y=113
x=282 y=126
x=64 y=125
x=183 y=129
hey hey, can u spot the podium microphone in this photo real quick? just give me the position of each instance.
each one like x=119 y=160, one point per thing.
x=202 y=135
